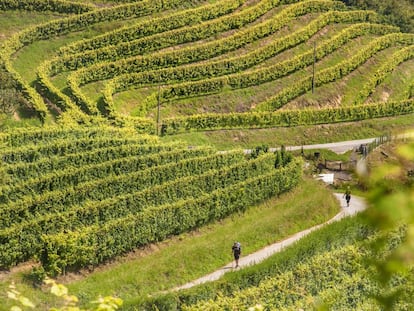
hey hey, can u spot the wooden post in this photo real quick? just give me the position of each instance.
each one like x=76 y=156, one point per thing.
x=313 y=67
x=158 y=109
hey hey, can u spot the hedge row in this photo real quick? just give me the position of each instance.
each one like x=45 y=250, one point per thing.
x=73 y=176
x=335 y=72
x=379 y=76
x=60 y=6
x=36 y=204
x=96 y=244
x=156 y=25
x=17 y=238
x=285 y=117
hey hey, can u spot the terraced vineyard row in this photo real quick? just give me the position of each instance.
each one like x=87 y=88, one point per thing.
x=200 y=57
x=98 y=197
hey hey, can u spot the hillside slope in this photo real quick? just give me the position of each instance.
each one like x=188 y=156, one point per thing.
x=173 y=66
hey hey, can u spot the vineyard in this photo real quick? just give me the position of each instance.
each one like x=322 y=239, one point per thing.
x=94 y=194
x=111 y=84
x=175 y=66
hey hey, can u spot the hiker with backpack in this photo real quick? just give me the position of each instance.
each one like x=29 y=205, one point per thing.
x=236 y=249
x=347 y=196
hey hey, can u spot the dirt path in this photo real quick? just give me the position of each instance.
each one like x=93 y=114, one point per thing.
x=357 y=204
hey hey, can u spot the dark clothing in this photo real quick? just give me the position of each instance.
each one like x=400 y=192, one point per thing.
x=347 y=196
x=236 y=249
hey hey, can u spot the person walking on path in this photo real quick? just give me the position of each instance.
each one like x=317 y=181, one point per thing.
x=347 y=196
x=236 y=249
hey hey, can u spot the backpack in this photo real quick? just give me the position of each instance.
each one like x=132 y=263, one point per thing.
x=237 y=248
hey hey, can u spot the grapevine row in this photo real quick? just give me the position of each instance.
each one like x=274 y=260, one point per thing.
x=379 y=76
x=226 y=66
x=121 y=206
x=32 y=153
x=156 y=25
x=335 y=72
x=318 y=273
x=340 y=278
x=45 y=135
x=278 y=70
x=60 y=6
x=62 y=26
x=185 y=55
x=72 y=176
x=22 y=171
x=166 y=39
x=285 y=117
x=201 y=51
x=111 y=185
x=96 y=244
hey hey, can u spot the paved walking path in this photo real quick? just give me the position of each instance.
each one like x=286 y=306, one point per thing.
x=357 y=204
x=338 y=147
x=342 y=146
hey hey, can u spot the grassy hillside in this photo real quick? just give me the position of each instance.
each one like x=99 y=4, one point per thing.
x=177 y=66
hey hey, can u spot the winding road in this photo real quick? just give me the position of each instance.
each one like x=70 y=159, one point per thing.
x=357 y=205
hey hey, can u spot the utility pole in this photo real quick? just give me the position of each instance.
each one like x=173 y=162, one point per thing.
x=313 y=66
x=158 y=108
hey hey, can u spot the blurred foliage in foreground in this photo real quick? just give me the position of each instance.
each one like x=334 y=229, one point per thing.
x=392 y=204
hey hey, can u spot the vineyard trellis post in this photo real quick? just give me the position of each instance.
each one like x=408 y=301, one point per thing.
x=313 y=67
x=158 y=108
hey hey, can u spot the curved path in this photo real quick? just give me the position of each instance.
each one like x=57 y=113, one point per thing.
x=357 y=204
